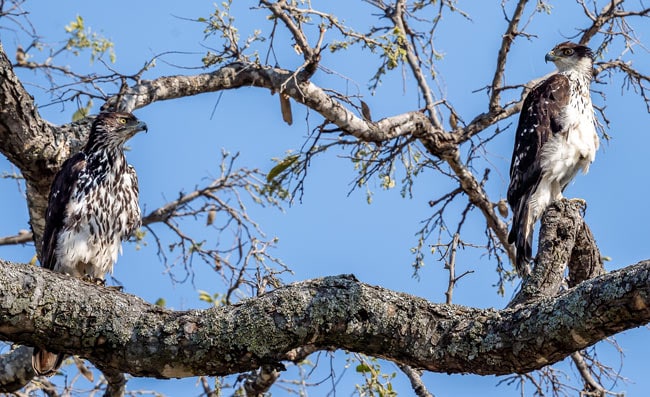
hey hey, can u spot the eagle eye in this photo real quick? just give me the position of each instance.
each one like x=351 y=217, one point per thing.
x=567 y=51
x=122 y=120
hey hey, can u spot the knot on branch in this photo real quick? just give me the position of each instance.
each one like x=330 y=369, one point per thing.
x=437 y=142
x=565 y=240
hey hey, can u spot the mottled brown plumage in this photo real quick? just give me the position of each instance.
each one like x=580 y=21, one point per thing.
x=92 y=207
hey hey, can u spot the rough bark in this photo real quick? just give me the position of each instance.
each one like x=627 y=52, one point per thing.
x=120 y=331
x=16 y=369
x=565 y=240
x=35 y=146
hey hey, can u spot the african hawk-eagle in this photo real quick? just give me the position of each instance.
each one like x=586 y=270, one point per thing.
x=556 y=137
x=92 y=207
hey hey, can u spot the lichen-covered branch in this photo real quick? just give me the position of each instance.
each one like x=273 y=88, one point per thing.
x=17 y=369
x=565 y=241
x=120 y=331
x=562 y=228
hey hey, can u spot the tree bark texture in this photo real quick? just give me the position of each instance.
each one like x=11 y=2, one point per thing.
x=117 y=330
x=565 y=240
x=35 y=146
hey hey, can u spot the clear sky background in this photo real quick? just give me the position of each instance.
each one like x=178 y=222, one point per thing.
x=333 y=231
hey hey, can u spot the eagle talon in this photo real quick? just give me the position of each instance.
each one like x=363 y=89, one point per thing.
x=581 y=203
x=578 y=201
x=94 y=280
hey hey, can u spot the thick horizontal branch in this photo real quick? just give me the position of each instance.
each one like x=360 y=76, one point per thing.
x=117 y=330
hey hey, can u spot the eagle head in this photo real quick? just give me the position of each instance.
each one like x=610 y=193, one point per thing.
x=569 y=56
x=113 y=129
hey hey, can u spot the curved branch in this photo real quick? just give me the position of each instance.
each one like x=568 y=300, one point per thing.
x=24 y=136
x=239 y=74
x=120 y=331
x=26 y=140
x=35 y=146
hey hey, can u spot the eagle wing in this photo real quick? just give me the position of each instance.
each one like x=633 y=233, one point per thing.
x=135 y=218
x=540 y=119
x=60 y=194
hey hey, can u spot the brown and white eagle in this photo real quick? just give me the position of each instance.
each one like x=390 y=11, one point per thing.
x=92 y=207
x=556 y=137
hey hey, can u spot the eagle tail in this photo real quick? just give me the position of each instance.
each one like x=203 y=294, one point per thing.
x=521 y=234
x=46 y=363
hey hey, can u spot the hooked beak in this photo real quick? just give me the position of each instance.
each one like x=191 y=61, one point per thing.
x=141 y=126
x=550 y=57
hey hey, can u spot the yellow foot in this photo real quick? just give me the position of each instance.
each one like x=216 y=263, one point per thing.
x=580 y=202
x=94 y=280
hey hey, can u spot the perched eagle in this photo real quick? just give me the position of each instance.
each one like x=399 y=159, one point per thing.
x=92 y=207
x=556 y=137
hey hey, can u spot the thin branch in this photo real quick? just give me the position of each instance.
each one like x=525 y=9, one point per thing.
x=399 y=19
x=23 y=237
x=451 y=268
x=477 y=196
x=606 y=14
x=415 y=377
x=506 y=42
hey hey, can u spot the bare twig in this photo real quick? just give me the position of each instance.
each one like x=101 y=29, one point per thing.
x=22 y=237
x=451 y=268
x=415 y=377
x=508 y=37
x=399 y=19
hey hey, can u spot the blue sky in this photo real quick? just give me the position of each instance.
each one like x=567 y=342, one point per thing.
x=333 y=231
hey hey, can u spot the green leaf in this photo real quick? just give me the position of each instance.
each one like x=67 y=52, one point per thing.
x=363 y=368
x=82 y=112
x=205 y=296
x=281 y=166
